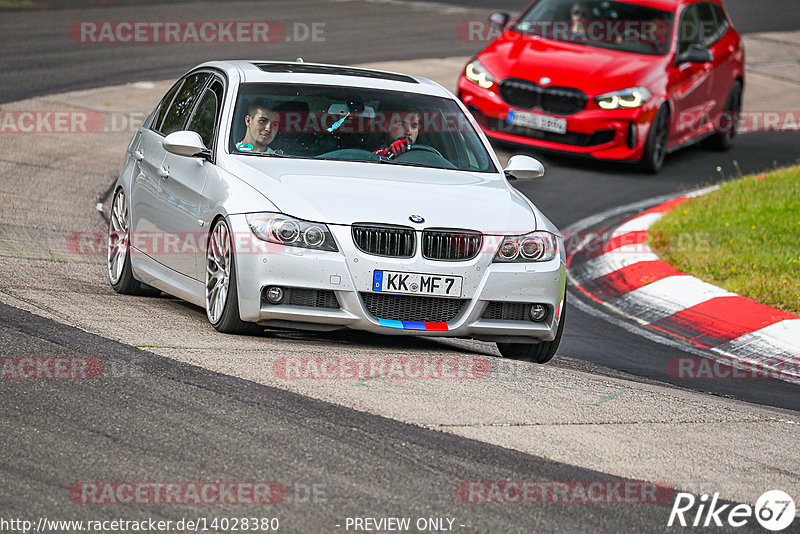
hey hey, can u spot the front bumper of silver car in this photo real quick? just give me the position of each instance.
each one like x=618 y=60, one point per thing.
x=330 y=290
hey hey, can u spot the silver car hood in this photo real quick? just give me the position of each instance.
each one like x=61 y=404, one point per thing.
x=343 y=192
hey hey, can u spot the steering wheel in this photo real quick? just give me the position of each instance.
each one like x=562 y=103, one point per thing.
x=424 y=148
x=633 y=35
x=655 y=46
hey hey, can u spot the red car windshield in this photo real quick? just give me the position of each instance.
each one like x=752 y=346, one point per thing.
x=600 y=23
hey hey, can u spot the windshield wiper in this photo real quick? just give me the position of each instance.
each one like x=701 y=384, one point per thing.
x=385 y=159
x=276 y=154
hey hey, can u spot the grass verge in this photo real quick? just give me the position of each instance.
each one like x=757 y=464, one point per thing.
x=745 y=238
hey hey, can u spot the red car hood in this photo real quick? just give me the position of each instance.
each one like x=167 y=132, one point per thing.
x=590 y=69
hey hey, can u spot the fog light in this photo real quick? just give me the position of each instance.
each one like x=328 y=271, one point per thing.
x=274 y=294
x=538 y=312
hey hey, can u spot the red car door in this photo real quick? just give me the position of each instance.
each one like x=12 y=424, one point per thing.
x=690 y=85
x=724 y=43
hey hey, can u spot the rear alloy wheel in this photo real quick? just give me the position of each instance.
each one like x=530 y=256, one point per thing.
x=120 y=272
x=655 y=150
x=729 y=121
x=222 y=300
x=536 y=352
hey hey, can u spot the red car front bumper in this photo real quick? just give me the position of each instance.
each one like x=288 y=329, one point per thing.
x=604 y=134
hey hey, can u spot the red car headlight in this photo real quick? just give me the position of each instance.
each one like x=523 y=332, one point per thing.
x=627 y=98
x=477 y=73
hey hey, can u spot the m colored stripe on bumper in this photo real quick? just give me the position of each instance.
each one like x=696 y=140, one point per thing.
x=414 y=325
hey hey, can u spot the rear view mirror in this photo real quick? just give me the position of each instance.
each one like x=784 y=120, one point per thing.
x=523 y=168
x=696 y=54
x=351 y=108
x=499 y=20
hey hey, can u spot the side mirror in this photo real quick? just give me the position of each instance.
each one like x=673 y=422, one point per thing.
x=499 y=20
x=523 y=168
x=695 y=54
x=185 y=143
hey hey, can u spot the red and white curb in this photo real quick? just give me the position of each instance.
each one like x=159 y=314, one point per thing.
x=617 y=269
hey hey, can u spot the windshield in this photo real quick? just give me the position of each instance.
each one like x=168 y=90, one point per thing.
x=600 y=23
x=355 y=124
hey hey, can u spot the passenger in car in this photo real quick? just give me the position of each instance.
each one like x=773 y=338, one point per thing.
x=401 y=132
x=262 y=127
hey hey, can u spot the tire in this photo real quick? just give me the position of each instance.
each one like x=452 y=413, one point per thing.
x=118 y=259
x=222 y=296
x=655 y=150
x=536 y=352
x=724 y=140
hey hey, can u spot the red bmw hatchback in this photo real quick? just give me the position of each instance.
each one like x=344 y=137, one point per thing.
x=617 y=80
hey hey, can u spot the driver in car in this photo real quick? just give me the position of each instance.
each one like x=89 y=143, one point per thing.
x=579 y=13
x=401 y=133
x=262 y=127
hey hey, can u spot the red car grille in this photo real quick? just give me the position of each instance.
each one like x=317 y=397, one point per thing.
x=528 y=95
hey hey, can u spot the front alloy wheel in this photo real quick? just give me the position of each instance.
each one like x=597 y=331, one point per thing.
x=222 y=301
x=655 y=150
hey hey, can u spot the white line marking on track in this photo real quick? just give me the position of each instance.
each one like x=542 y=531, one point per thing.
x=670 y=295
x=783 y=335
x=639 y=224
x=638 y=330
x=612 y=261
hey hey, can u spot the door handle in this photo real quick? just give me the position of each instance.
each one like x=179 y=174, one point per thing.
x=138 y=155
x=163 y=172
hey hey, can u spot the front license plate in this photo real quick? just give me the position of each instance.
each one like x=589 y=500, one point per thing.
x=437 y=285
x=537 y=122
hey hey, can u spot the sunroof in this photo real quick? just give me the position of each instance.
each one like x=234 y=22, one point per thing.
x=301 y=68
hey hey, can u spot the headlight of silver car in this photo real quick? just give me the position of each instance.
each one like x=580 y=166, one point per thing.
x=477 y=73
x=627 y=98
x=536 y=246
x=284 y=230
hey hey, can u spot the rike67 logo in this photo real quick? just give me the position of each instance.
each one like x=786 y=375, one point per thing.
x=774 y=510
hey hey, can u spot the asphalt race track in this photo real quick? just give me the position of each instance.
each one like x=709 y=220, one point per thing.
x=185 y=403
x=221 y=428
x=38 y=59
